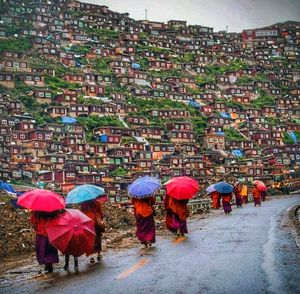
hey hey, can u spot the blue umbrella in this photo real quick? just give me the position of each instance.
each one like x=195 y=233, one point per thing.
x=84 y=193
x=223 y=187
x=68 y=120
x=144 y=187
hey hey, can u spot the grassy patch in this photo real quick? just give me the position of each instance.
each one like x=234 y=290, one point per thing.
x=19 y=45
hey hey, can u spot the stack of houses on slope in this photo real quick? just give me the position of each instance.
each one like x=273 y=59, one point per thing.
x=89 y=95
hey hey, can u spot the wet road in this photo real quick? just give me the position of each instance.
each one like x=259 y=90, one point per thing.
x=250 y=251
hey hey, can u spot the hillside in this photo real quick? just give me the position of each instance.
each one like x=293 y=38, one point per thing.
x=90 y=95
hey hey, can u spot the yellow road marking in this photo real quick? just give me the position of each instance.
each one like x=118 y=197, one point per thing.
x=134 y=268
x=179 y=240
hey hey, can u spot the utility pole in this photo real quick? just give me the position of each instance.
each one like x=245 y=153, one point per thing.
x=146 y=14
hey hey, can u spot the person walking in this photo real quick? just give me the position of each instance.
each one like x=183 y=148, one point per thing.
x=215 y=200
x=93 y=209
x=256 y=196
x=144 y=214
x=180 y=214
x=226 y=202
x=45 y=253
x=244 y=194
x=169 y=215
x=238 y=194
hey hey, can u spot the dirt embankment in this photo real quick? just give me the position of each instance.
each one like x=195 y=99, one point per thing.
x=16 y=235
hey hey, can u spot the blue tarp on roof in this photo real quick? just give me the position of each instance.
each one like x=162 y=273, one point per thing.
x=135 y=66
x=237 y=153
x=292 y=136
x=7 y=187
x=194 y=104
x=220 y=133
x=225 y=115
x=68 y=120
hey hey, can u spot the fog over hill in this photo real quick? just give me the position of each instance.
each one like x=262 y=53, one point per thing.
x=236 y=14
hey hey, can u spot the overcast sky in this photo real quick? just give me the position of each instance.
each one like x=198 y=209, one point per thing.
x=237 y=14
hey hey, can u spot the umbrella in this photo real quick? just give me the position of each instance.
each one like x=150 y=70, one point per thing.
x=182 y=188
x=260 y=185
x=71 y=232
x=41 y=200
x=143 y=187
x=210 y=189
x=223 y=187
x=84 y=193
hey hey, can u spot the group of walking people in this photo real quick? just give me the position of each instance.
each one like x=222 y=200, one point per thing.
x=240 y=191
x=144 y=212
x=178 y=192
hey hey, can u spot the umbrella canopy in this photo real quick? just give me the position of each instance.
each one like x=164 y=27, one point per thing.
x=223 y=187
x=144 y=187
x=260 y=185
x=71 y=232
x=182 y=188
x=210 y=189
x=41 y=200
x=84 y=193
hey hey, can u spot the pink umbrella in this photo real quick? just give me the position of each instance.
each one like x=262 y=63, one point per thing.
x=260 y=185
x=182 y=188
x=72 y=232
x=41 y=200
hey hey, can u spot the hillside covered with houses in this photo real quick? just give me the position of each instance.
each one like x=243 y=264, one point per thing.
x=90 y=95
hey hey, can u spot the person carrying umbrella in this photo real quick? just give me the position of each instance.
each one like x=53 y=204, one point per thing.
x=44 y=205
x=72 y=233
x=215 y=197
x=87 y=196
x=180 y=190
x=256 y=195
x=225 y=191
x=169 y=215
x=141 y=191
x=93 y=209
x=238 y=186
x=45 y=253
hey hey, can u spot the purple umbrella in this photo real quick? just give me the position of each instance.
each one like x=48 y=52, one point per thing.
x=144 y=187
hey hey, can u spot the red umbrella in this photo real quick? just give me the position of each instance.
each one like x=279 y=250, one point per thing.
x=260 y=185
x=182 y=188
x=41 y=200
x=72 y=232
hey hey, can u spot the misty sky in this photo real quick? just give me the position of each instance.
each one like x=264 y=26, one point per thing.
x=237 y=14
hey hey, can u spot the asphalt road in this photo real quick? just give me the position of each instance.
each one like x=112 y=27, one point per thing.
x=250 y=251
